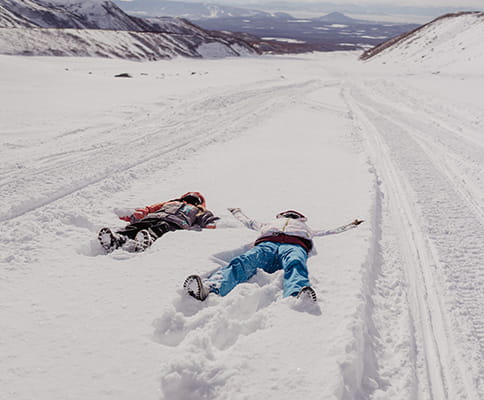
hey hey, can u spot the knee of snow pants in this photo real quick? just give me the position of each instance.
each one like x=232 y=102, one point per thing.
x=270 y=257
x=293 y=259
x=242 y=268
x=159 y=228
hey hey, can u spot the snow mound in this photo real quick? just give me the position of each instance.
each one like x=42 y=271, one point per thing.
x=451 y=42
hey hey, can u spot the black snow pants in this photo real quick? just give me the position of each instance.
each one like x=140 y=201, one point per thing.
x=155 y=226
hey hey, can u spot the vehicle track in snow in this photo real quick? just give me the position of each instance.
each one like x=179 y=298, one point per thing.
x=78 y=161
x=452 y=140
x=436 y=217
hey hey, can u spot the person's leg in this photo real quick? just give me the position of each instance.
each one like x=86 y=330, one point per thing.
x=159 y=228
x=132 y=230
x=242 y=268
x=155 y=226
x=293 y=259
x=109 y=240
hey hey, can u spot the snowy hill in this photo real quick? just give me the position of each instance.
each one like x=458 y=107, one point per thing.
x=87 y=14
x=99 y=28
x=451 y=42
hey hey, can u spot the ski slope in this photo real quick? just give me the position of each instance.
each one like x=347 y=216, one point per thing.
x=400 y=299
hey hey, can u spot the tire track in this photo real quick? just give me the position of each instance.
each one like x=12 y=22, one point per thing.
x=459 y=156
x=440 y=245
x=136 y=149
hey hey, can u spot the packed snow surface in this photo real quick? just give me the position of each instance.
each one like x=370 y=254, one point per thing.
x=400 y=299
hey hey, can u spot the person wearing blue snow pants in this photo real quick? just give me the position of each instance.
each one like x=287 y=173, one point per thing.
x=284 y=243
x=270 y=257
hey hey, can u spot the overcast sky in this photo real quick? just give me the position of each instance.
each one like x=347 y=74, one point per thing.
x=474 y=4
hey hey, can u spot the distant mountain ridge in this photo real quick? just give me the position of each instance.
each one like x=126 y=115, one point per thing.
x=281 y=32
x=200 y=11
x=192 y=11
x=337 y=17
x=100 y=28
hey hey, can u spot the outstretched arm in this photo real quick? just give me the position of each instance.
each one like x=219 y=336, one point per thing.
x=340 y=229
x=249 y=223
x=139 y=213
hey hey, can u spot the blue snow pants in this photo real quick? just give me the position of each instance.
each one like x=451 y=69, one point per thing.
x=270 y=257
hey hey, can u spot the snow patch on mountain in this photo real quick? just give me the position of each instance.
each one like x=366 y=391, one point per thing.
x=9 y=19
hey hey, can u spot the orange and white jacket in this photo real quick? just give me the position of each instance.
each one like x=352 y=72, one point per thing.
x=177 y=212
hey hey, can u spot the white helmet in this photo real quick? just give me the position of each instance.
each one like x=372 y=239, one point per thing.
x=292 y=214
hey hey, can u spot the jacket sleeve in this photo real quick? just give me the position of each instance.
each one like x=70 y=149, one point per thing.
x=140 y=213
x=249 y=223
x=340 y=229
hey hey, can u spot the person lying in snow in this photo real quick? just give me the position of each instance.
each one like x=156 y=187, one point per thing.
x=283 y=244
x=150 y=223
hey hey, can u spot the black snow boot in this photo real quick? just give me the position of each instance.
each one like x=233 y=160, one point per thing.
x=143 y=240
x=307 y=293
x=109 y=240
x=195 y=287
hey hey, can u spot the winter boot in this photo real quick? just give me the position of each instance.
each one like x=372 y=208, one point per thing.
x=108 y=240
x=195 y=287
x=143 y=240
x=307 y=293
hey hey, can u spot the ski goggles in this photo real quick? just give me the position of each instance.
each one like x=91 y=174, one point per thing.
x=291 y=214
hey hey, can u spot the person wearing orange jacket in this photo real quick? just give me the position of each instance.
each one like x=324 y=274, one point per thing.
x=150 y=223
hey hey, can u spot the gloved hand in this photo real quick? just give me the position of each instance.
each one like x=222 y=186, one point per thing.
x=233 y=210
x=207 y=219
x=357 y=221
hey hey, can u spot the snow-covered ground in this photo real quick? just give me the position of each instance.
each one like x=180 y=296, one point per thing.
x=400 y=299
